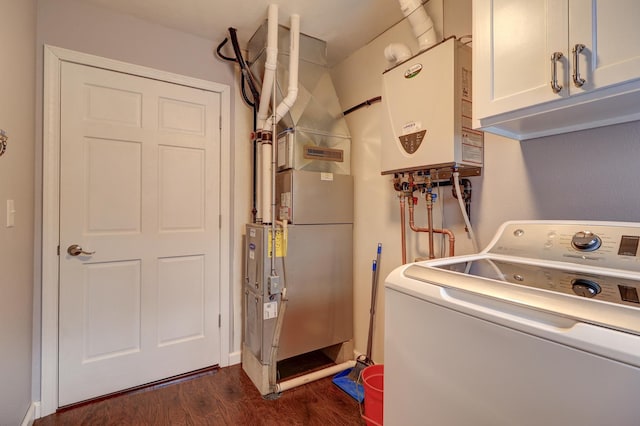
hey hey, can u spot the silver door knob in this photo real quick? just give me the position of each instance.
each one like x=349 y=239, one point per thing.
x=76 y=250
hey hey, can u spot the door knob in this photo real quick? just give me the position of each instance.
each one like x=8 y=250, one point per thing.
x=76 y=250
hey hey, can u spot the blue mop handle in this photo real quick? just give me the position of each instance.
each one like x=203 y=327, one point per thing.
x=374 y=295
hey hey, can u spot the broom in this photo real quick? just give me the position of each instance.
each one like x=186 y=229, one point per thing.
x=363 y=361
x=350 y=382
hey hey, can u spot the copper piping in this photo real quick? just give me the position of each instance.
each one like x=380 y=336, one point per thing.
x=430 y=225
x=403 y=231
x=452 y=238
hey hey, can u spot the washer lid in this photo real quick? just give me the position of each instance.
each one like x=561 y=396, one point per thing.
x=486 y=279
x=623 y=291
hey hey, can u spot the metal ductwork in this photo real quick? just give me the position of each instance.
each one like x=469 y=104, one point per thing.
x=313 y=134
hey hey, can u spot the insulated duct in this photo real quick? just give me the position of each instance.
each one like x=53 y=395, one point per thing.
x=313 y=135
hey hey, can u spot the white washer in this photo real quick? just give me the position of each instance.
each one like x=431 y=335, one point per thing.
x=540 y=328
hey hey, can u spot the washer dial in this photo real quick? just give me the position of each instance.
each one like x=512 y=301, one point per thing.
x=586 y=241
x=585 y=288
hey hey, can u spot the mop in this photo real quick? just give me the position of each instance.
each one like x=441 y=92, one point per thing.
x=349 y=380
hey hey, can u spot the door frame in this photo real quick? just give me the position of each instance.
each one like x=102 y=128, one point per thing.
x=53 y=58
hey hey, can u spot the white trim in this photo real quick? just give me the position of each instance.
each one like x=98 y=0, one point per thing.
x=53 y=57
x=32 y=414
x=235 y=358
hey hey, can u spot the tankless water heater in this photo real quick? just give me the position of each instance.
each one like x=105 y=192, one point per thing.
x=426 y=121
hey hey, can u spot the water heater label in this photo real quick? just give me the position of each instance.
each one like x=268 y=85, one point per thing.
x=472 y=146
x=413 y=71
x=466 y=83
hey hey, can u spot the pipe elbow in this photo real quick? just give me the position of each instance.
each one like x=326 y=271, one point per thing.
x=397 y=52
x=421 y=23
x=449 y=233
x=291 y=97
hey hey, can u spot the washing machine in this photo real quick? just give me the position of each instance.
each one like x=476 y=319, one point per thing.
x=540 y=328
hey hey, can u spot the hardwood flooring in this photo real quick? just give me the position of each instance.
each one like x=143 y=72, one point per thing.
x=222 y=397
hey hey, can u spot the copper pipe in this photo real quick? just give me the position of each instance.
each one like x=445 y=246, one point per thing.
x=403 y=230
x=430 y=225
x=452 y=238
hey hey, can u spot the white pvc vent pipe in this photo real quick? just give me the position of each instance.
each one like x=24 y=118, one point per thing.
x=422 y=27
x=292 y=92
x=268 y=150
x=421 y=23
x=397 y=52
x=269 y=66
x=316 y=375
x=265 y=97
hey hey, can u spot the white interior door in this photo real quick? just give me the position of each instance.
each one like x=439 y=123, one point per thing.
x=139 y=187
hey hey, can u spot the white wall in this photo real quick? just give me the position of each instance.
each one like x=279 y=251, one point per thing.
x=501 y=193
x=17 y=115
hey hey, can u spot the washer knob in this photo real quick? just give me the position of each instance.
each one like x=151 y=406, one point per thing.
x=586 y=241
x=585 y=288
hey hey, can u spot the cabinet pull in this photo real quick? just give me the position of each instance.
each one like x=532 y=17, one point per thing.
x=555 y=57
x=577 y=79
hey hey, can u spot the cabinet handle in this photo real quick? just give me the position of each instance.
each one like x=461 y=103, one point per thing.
x=577 y=80
x=555 y=57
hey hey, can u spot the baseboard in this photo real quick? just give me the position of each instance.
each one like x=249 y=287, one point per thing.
x=235 y=358
x=33 y=413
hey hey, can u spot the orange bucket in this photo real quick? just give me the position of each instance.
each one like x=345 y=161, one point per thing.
x=373 y=383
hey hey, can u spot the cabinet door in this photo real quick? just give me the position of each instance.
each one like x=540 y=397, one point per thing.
x=513 y=41
x=610 y=32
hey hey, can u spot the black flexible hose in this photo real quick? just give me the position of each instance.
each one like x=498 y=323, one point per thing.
x=244 y=93
x=246 y=77
x=244 y=68
x=221 y=55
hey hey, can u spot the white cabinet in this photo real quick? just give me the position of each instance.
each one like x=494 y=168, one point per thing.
x=596 y=71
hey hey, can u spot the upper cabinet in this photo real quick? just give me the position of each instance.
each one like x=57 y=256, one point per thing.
x=543 y=67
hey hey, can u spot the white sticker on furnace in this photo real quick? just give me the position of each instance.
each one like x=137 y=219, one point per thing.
x=326 y=176
x=282 y=152
x=270 y=310
x=285 y=199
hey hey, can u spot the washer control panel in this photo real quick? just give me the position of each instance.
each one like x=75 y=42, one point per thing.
x=597 y=286
x=603 y=244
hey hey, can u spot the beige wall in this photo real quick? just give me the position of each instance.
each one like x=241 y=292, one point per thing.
x=588 y=175
x=17 y=112
x=377 y=217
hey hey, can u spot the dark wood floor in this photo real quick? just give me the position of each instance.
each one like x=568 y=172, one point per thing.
x=222 y=397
